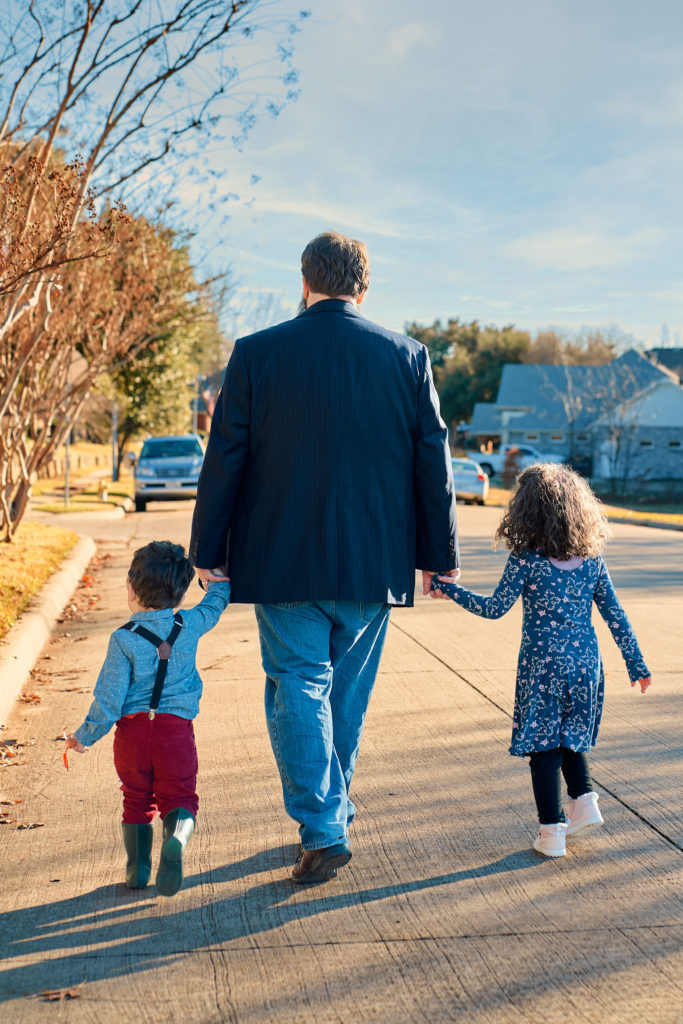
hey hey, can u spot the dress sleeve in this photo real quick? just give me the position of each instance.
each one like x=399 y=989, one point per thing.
x=609 y=606
x=504 y=596
x=110 y=693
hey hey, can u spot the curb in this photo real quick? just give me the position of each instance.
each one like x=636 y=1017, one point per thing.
x=24 y=642
x=654 y=524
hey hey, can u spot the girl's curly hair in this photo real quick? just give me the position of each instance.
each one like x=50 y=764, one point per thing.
x=554 y=511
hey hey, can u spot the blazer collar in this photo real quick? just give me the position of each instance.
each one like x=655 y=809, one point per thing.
x=332 y=306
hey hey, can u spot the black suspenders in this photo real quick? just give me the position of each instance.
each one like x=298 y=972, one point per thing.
x=163 y=650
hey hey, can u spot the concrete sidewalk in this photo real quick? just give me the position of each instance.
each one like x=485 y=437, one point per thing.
x=444 y=913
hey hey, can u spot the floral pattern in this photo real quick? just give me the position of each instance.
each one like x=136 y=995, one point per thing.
x=560 y=678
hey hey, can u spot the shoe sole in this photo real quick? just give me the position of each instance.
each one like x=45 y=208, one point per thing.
x=170 y=874
x=548 y=853
x=325 y=872
x=587 y=829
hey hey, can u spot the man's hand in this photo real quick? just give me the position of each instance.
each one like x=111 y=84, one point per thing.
x=427 y=574
x=212 y=576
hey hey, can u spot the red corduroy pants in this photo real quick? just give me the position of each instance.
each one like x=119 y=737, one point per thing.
x=156 y=761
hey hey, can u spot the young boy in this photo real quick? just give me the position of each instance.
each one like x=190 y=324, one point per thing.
x=149 y=686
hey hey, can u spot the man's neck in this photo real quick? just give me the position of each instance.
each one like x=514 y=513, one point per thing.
x=314 y=297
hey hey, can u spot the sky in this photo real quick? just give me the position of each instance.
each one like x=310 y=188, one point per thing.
x=506 y=162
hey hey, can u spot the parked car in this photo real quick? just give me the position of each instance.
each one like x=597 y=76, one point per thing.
x=471 y=482
x=168 y=469
x=525 y=455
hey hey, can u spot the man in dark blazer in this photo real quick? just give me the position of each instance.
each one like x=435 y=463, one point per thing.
x=326 y=483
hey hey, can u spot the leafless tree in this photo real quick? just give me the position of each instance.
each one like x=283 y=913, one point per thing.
x=101 y=96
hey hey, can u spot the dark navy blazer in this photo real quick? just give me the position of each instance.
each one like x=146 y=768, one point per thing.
x=327 y=473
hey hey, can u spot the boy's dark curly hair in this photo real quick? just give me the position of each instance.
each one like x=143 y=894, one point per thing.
x=554 y=511
x=160 y=574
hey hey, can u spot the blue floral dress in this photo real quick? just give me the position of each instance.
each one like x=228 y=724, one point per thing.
x=560 y=678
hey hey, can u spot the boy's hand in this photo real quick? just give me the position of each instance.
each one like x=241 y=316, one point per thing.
x=643 y=683
x=73 y=744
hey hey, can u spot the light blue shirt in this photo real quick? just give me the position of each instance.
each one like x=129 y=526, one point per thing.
x=126 y=680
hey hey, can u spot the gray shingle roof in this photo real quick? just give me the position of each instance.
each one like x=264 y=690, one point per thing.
x=556 y=395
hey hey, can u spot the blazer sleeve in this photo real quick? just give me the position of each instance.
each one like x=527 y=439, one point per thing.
x=436 y=526
x=223 y=466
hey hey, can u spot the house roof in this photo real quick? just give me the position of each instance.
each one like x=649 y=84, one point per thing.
x=549 y=396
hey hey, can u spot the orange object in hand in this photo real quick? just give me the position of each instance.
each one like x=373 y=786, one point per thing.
x=65 y=758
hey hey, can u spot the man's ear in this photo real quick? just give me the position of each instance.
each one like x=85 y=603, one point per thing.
x=360 y=298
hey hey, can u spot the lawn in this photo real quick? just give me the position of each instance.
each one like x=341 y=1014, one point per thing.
x=26 y=564
x=664 y=512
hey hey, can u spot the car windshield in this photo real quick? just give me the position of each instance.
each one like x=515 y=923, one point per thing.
x=464 y=466
x=171 y=448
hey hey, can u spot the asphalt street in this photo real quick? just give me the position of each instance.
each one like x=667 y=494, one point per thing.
x=444 y=914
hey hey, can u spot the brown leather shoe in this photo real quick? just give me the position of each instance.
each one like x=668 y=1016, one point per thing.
x=320 y=865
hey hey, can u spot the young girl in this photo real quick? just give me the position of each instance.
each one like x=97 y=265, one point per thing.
x=555 y=530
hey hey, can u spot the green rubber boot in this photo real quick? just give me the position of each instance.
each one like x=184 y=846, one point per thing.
x=178 y=829
x=137 y=840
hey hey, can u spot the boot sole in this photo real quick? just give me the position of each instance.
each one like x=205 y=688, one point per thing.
x=326 y=871
x=585 y=830
x=170 y=874
x=549 y=853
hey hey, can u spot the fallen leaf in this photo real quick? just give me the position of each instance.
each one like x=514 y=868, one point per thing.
x=33 y=824
x=59 y=994
x=31 y=698
x=11 y=803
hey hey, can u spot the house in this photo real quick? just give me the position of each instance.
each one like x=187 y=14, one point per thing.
x=621 y=420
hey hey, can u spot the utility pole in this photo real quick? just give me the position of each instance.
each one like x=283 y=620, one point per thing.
x=115 y=442
x=195 y=405
x=67 y=467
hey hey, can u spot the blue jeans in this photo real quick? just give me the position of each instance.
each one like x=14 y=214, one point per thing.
x=320 y=659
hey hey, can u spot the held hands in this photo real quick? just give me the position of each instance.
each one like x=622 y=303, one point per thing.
x=212 y=576
x=451 y=574
x=643 y=683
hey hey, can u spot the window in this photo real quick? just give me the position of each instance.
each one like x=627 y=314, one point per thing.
x=647 y=444
x=531 y=437
x=582 y=437
x=557 y=437
x=674 y=444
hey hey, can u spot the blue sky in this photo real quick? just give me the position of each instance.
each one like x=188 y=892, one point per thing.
x=506 y=162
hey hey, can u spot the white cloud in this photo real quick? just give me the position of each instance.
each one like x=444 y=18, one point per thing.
x=577 y=248
x=405 y=38
x=657 y=113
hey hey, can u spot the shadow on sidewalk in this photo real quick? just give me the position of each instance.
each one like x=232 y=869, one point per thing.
x=122 y=935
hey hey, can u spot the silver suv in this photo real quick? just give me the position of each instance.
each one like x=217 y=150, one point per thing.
x=168 y=469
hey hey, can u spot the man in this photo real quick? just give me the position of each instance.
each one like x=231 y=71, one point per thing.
x=327 y=481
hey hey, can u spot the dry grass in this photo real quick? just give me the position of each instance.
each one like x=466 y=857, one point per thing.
x=501 y=496
x=26 y=564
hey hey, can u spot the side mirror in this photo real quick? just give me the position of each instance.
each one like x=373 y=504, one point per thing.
x=132 y=458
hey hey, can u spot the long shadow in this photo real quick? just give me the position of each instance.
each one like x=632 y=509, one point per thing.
x=121 y=937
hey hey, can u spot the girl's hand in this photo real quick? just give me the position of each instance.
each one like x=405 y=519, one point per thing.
x=73 y=744
x=643 y=683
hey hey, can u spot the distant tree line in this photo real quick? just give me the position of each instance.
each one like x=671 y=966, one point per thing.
x=468 y=358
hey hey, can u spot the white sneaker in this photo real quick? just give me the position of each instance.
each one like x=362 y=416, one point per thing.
x=584 y=816
x=551 y=839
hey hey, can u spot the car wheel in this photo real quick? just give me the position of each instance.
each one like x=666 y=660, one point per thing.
x=487 y=467
x=481 y=502
x=140 y=504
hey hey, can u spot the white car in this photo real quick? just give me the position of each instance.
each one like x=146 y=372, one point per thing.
x=168 y=469
x=471 y=482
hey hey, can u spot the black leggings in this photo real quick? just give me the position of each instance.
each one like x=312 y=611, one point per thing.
x=545 y=778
